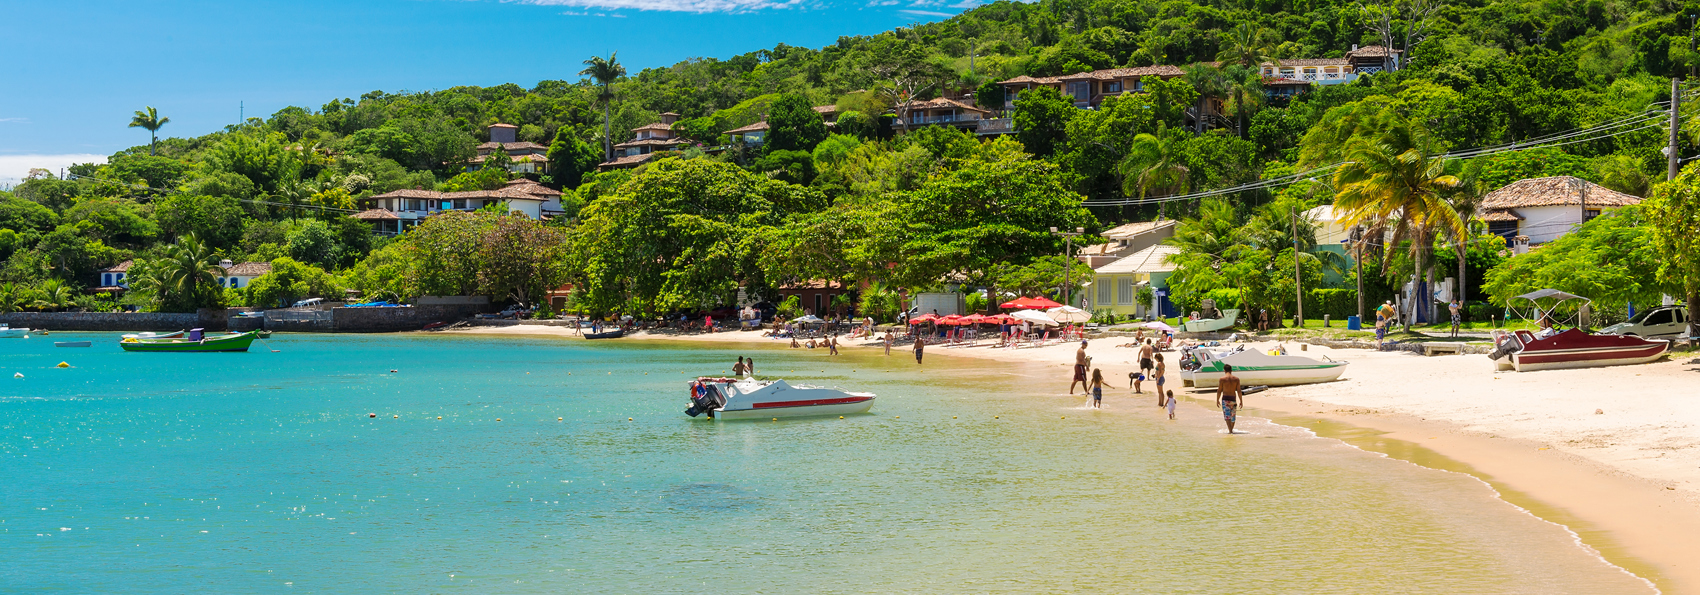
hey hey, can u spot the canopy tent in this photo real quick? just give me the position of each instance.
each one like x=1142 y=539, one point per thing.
x=1033 y=316
x=1556 y=295
x=1159 y=325
x=1068 y=314
x=1029 y=303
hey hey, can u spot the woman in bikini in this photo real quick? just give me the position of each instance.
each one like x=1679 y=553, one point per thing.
x=1161 y=369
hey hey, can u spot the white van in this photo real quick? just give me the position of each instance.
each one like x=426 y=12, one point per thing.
x=1662 y=321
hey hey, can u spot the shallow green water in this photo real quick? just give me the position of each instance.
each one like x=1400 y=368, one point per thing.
x=261 y=472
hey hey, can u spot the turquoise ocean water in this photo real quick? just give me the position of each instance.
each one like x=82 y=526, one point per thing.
x=262 y=472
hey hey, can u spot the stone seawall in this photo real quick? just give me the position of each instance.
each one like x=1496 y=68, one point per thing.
x=379 y=320
x=212 y=320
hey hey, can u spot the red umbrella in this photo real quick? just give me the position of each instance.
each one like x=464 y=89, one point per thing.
x=1001 y=319
x=974 y=319
x=923 y=318
x=1029 y=303
x=953 y=320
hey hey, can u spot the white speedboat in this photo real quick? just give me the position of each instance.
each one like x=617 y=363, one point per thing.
x=748 y=398
x=1254 y=367
x=7 y=332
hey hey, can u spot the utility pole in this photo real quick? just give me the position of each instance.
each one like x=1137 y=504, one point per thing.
x=1298 y=289
x=1671 y=160
x=1068 y=263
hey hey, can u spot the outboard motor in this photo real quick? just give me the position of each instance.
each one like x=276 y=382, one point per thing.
x=706 y=399
x=1507 y=346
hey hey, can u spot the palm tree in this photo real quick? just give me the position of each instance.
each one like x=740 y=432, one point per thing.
x=605 y=72
x=1400 y=179
x=1153 y=163
x=53 y=295
x=12 y=297
x=183 y=278
x=1210 y=83
x=1244 y=93
x=1248 y=45
x=1464 y=200
x=150 y=120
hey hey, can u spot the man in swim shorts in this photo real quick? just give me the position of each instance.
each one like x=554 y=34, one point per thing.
x=1229 y=396
x=1080 y=364
x=1146 y=350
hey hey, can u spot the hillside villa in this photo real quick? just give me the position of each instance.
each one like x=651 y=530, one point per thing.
x=115 y=278
x=525 y=157
x=646 y=142
x=394 y=211
x=754 y=134
x=1535 y=211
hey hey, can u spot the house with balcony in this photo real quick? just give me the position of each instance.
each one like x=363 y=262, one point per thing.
x=395 y=211
x=1126 y=239
x=942 y=111
x=647 y=140
x=113 y=279
x=1540 y=210
x=1295 y=75
x=753 y=135
x=1088 y=89
x=524 y=157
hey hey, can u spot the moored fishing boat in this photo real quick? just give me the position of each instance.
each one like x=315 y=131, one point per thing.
x=170 y=335
x=195 y=342
x=1256 y=367
x=7 y=332
x=72 y=343
x=748 y=398
x=1524 y=352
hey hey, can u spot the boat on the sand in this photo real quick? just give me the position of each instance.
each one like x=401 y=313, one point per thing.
x=1524 y=352
x=748 y=398
x=613 y=334
x=1210 y=325
x=195 y=342
x=1204 y=368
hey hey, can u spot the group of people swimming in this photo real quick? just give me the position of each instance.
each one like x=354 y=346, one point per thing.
x=1230 y=396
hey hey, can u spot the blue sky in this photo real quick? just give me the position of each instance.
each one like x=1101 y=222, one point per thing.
x=76 y=71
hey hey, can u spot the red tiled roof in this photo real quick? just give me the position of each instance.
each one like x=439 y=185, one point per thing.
x=501 y=125
x=108 y=289
x=118 y=268
x=941 y=103
x=248 y=269
x=1554 y=191
x=532 y=188
x=1281 y=82
x=1501 y=215
x=1106 y=74
x=376 y=215
x=756 y=127
x=1372 y=51
x=407 y=193
x=655 y=126
x=628 y=160
x=826 y=109
x=652 y=142
x=1296 y=62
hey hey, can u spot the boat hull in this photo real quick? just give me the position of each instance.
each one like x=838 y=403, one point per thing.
x=1210 y=325
x=1576 y=349
x=1258 y=368
x=72 y=343
x=606 y=335
x=848 y=406
x=237 y=342
x=14 y=333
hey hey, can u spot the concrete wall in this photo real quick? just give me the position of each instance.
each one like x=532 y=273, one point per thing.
x=302 y=321
x=1545 y=224
x=373 y=320
x=103 y=321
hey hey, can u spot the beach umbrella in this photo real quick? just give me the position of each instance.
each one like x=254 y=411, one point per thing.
x=953 y=320
x=1033 y=316
x=810 y=319
x=1159 y=325
x=1029 y=303
x=923 y=318
x=1068 y=314
x=975 y=319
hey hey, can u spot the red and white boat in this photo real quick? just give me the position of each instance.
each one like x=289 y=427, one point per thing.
x=1573 y=348
x=748 y=398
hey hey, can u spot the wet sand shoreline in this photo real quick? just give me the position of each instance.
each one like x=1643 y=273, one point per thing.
x=1526 y=436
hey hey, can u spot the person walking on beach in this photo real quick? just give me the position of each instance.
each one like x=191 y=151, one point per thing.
x=1162 y=368
x=920 y=346
x=1454 y=307
x=1146 y=350
x=1080 y=363
x=1097 y=388
x=1171 y=405
x=1229 y=396
x=832 y=345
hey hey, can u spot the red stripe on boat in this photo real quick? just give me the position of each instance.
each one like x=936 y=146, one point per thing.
x=810 y=403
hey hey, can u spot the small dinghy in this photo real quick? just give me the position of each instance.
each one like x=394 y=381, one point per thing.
x=72 y=343
x=613 y=334
x=748 y=398
x=7 y=332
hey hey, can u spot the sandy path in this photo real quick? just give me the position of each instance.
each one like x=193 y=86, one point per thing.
x=1626 y=478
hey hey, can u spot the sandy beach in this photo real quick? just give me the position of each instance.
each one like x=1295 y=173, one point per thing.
x=1611 y=453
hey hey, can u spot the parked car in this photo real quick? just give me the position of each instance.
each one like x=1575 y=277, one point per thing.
x=1662 y=321
x=308 y=302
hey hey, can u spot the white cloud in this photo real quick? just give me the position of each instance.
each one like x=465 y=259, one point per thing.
x=16 y=120
x=13 y=168
x=696 y=6
x=927 y=13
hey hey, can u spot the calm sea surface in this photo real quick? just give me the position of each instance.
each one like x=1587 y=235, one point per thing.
x=261 y=472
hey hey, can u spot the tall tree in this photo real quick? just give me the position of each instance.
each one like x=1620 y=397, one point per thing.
x=1248 y=45
x=1675 y=216
x=605 y=71
x=793 y=125
x=1154 y=163
x=150 y=120
x=1399 y=178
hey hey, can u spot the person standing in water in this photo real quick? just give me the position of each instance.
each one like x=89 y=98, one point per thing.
x=738 y=368
x=1097 y=389
x=832 y=345
x=750 y=368
x=1161 y=369
x=1171 y=405
x=920 y=346
x=1146 y=350
x=1080 y=364
x=888 y=343
x=1229 y=396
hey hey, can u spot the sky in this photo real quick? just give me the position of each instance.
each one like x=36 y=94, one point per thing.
x=76 y=71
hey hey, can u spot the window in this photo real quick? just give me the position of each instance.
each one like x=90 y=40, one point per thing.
x=1103 y=292
x=236 y=282
x=106 y=279
x=1124 y=291
x=1590 y=214
x=1080 y=91
x=460 y=203
x=1113 y=87
x=1659 y=317
x=1504 y=229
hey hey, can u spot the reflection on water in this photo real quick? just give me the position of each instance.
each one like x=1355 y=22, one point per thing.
x=263 y=472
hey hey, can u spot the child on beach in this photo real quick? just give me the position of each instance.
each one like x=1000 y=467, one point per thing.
x=832 y=345
x=1171 y=404
x=888 y=343
x=1133 y=380
x=1098 y=388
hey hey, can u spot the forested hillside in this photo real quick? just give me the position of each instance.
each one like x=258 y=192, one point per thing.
x=867 y=203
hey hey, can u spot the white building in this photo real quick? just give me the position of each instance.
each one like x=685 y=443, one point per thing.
x=398 y=210
x=237 y=276
x=1126 y=239
x=1544 y=209
x=1115 y=285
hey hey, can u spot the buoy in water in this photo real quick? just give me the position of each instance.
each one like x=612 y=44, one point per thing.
x=439 y=417
x=628 y=419
x=395 y=416
x=498 y=419
x=62 y=365
x=17 y=374
x=559 y=418
x=371 y=415
x=392 y=371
